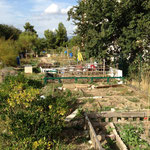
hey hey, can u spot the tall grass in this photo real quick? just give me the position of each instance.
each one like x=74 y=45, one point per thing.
x=8 y=52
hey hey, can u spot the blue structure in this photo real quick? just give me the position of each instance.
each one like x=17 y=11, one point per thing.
x=71 y=55
x=18 y=60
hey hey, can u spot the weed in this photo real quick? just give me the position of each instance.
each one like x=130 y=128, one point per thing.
x=135 y=100
x=131 y=136
x=108 y=94
x=106 y=108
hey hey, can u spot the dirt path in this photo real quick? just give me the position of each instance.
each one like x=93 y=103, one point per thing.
x=119 y=98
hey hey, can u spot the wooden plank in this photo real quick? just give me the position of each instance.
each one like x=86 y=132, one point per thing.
x=119 y=142
x=118 y=115
x=71 y=116
x=93 y=135
x=122 y=119
x=132 y=114
x=115 y=119
x=106 y=119
x=130 y=119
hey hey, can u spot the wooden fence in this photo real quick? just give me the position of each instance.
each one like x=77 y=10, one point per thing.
x=121 y=116
x=93 y=135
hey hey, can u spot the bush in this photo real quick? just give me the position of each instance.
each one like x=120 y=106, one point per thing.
x=8 y=52
x=33 y=122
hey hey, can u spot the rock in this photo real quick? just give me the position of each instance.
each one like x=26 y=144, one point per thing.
x=93 y=87
x=76 y=89
x=90 y=142
x=60 y=88
x=112 y=136
x=103 y=143
x=64 y=89
x=101 y=137
x=113 y=110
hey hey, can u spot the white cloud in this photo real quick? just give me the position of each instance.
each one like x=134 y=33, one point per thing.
x=52 y=9
x=54 y=29
x=65 y=10
x=75 y=28
x=40 y=14
x=55 y=9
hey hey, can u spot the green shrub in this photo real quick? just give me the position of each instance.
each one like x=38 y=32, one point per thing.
x=8 y=52
x=33 y=122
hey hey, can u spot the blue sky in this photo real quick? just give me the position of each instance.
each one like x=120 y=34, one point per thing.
x=43 y=14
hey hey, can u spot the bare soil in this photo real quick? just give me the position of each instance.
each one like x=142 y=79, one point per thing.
x=121 y=98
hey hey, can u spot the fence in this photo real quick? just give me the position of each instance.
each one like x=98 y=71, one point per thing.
x=77 y=78
x=122 y=116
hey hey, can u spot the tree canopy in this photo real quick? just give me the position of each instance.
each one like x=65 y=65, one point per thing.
x=8 y=52
x=50 y=39
x=113 y=27
x=29 y=28
x=61 y=35
x=9 y=32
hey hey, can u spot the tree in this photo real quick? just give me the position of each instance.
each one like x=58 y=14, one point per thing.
x=8 y=52
x=27 y=42
x=113 y=28
x=9 y=32
x=50 y=39
x=74 y=41
x=29 y=28
x=61 y=35
x=41 y=44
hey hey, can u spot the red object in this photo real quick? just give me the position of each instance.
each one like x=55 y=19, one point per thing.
x=92 y=66
x=145 y=118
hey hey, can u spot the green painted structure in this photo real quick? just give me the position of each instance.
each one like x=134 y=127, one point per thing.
x=77 y=78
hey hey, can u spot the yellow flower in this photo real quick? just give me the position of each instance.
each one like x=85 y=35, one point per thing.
x=49 y=145
x=62 y=112
x=35 y=144
x=50 y=106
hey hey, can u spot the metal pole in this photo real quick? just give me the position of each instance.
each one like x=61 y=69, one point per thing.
x=140 y=70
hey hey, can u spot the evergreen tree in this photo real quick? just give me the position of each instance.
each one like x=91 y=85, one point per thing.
x=9 y=32
x=61 y=35
x=29 y=28
x=123 y=25
x=50 y=39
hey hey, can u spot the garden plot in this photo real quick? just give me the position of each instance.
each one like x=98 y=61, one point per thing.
x=131 y=129
x=104 y=135
x=121 y=98
x=134 y=135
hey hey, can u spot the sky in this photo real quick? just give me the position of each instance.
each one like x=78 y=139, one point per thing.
x=42 y=14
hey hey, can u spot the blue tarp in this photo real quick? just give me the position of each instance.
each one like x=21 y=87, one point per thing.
x=70 y=55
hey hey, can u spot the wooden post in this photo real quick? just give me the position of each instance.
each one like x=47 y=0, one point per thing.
x=106 y=119
x=115 y=119
x=138 y=119
x=103 y=66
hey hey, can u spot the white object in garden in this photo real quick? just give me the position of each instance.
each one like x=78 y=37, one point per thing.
x=48 y=55
x=48 y=69
x=95 y=64
x=113 y=110
x=42 y=97
x=95 y=97
x=116 y=73
x=71 y=116
x=28 y=69
x=60 y=88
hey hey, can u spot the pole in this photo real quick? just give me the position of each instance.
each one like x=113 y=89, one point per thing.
x=140 y=70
